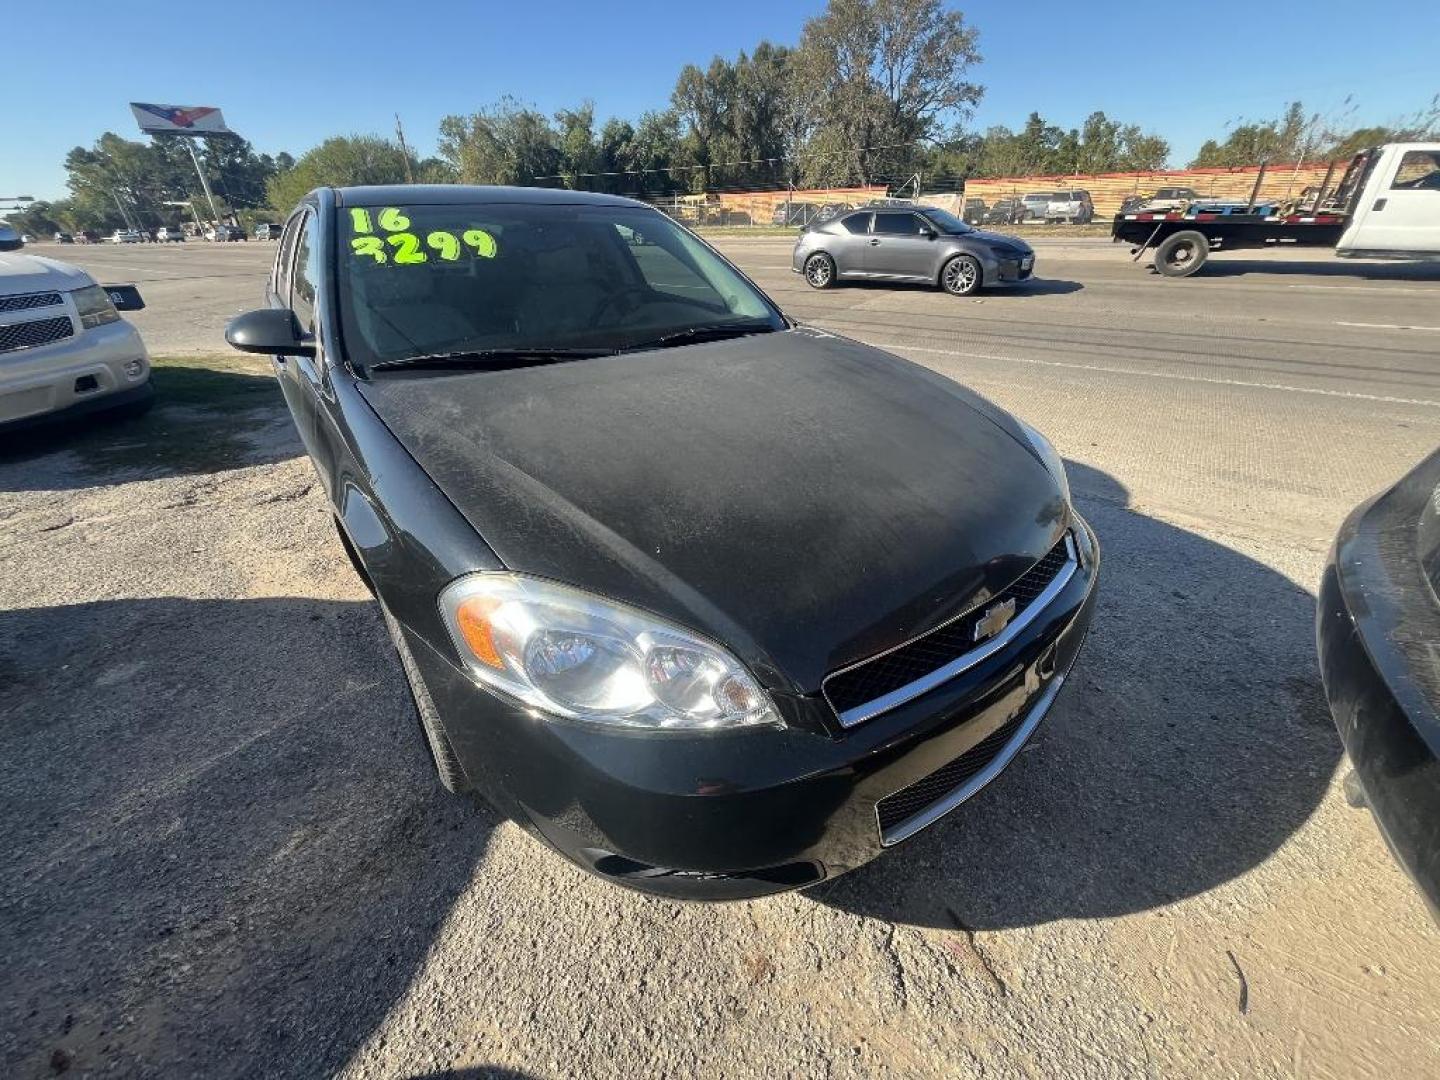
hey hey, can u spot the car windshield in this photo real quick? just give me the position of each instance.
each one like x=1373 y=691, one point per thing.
x=945 y=221
x=514 y=277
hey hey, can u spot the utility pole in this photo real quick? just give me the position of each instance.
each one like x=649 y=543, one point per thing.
x=404 y=150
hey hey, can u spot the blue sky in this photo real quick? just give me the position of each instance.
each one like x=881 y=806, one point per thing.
x=288 y=74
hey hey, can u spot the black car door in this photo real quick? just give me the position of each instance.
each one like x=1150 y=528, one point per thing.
x=293 y=287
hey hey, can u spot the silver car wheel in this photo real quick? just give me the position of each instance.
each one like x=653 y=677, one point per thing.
x=961 y=275
x=819 y=270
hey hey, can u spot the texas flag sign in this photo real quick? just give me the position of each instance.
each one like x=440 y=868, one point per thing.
x=179 y=119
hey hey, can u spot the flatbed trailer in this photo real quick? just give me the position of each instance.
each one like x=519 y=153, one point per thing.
x=1387 y=205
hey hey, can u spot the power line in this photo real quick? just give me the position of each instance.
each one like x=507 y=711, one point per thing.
x=727 y=164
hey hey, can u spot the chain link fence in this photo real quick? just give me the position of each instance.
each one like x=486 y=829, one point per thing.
x=1076 y=199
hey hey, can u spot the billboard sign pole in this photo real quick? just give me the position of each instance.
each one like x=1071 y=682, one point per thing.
x=193 y=122
x=204 y=183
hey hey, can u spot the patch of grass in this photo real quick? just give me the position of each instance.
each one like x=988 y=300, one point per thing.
x=748 y=230
x=218 y=383
x=206 y=415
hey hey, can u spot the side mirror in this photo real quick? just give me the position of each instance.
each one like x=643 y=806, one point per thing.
x=929 y=234
x=268 y=330
x=125 y=297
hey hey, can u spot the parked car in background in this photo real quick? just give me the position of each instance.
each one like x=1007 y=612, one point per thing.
x=27 y=239
x=1036 y=205
x=802 y=214
x=63 y=238
x=268 y=231
x=87 y=236
x=974 y=212
x=1072 y=207
x=1005 y=212
x=224 y=233
x=1376 y=624
x=125 y=236
x=1170 y=198
x=169 y=234
x=64 y=349
x=518 y=444
x=924 y=244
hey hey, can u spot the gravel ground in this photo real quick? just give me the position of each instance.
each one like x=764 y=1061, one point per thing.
x=226 y=854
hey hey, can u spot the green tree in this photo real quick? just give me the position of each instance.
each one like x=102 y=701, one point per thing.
x=507 y=143
x=885 y=74
x=1289 y=137
x=338 y=162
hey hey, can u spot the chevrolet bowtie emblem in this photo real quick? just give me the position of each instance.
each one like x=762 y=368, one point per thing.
x=995 y=619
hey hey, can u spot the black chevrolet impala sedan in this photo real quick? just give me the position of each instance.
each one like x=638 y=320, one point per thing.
x=714 y=604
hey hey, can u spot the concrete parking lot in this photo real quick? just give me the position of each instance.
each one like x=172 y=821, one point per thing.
x=225 y=852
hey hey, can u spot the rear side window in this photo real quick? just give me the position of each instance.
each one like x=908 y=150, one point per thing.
x=302 y=281
x=897 y=224
x=857 y=223
x=283 y=256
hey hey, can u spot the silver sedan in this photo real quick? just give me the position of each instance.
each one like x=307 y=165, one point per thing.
x=923 y=244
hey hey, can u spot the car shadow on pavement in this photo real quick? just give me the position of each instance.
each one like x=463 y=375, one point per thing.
x=1340 y=268
x=1192 y=739
x=1034 y=287
x=225 y=850
x=205 y=420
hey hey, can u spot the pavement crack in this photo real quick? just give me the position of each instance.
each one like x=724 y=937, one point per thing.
x=978 y=953
x=897 y=968
x=1244 y=984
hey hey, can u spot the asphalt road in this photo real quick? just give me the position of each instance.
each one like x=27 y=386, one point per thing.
x=223 y=852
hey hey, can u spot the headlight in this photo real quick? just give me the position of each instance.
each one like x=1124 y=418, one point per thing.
x=1049 y=456
x=583 y=658
x=93 y=304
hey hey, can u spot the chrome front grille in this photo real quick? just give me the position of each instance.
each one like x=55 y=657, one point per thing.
x=38 y=332
x=927 y=800
x=884 y=682
x=26 y=301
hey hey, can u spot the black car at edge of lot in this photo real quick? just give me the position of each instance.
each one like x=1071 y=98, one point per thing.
x=714 y=604
x=1377 y=624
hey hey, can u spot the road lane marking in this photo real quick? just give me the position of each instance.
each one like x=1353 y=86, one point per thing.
x=1365 y=289
x=1388 y=326
x=1354 y=395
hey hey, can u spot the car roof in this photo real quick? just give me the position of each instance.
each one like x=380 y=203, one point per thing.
x=450 y=194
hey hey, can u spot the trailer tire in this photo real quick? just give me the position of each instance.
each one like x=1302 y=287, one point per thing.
x=1181 y=254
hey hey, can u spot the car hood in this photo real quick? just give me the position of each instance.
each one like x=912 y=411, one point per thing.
x=805 y=499
x=998 y=238
x=33 y=273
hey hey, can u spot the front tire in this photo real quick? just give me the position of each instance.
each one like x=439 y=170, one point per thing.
x=820 y=271
x=961 y=276
x=1182 y=254
x=447 y=765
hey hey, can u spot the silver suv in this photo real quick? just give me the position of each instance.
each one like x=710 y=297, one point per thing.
x=64 y=349
x=1072 y=207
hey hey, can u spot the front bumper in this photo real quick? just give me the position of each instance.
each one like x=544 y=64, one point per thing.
x=74 y=376
x=1012 y=269
x=1376 y=623
x=741 y=814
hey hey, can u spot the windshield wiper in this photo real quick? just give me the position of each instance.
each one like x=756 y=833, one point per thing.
x=488 y=358
x=706 y=332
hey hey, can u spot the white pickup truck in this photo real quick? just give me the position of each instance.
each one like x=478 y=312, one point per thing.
x=64 y=349
x=1387 y=206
